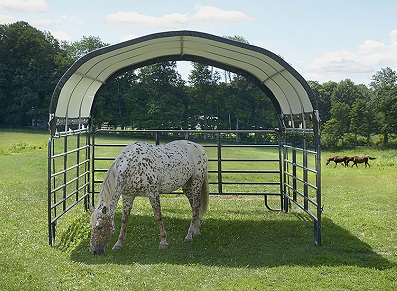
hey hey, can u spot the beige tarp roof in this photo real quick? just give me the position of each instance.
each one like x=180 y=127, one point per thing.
x=75 y=91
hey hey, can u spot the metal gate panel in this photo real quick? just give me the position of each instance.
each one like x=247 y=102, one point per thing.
x=68 y=174
x=301 y=176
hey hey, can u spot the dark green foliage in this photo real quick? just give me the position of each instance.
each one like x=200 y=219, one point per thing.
x=30 y=65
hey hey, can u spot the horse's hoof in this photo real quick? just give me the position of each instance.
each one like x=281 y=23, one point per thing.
x=188 y=238
x=117 y=247
x=163 y=246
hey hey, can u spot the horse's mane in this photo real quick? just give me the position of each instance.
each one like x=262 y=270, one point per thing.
x=106 y=196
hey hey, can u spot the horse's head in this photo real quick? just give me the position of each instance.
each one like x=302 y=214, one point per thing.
x=102 y=228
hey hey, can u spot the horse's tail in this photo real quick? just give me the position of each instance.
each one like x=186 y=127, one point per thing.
x=371 y=158
x=204 y=196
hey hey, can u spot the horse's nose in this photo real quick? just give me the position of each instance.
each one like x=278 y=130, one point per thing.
x=97 y=251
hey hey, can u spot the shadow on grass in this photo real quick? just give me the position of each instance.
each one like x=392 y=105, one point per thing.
x=231 y=243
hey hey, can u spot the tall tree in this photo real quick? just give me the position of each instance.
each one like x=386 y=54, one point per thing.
x=77 y=49
x=337 y=125
x=323 y=93
x=362 y=119
x=346 y=91
x=203 y=94
x=384 y=84
x=30 y=65
x=166 y=99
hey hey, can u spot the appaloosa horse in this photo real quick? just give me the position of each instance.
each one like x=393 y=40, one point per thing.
x=148 y=170
x=361 y=159
x=339 y=159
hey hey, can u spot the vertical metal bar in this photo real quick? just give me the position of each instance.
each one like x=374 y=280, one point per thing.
x=54 y=186
x=317 y=224
x=305 y=175
x=49 y=181
x=294 y=174
x=286 y=178
x=78 y=165
x=93 y=170
x=65 y=166
x=219 y=147
x=157 y=138
x=87 y=167
x=280 y=168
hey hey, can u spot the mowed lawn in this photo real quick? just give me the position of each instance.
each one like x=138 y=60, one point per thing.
x=243 y=245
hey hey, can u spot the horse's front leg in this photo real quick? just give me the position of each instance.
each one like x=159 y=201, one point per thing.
x=127 y=206
x=154 y=199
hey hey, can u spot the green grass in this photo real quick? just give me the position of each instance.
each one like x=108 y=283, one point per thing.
x=242 y=246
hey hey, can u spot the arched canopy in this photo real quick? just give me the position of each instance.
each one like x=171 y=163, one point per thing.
x=75 y=92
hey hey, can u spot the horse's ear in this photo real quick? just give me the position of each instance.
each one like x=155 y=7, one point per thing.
x=104 y=210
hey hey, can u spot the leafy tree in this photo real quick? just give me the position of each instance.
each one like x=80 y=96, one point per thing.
x=30 y=66
x=203 y=93
x=323 y=93
x=346 y=91
x=77 y=49
x=384 y=84
x=361 y=119
x=111 y=105
x=248 y=106
x=165 y=95
x=338 y=125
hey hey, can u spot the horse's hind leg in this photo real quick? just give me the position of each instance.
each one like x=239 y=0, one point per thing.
x=127 y=206
x=154 y=199
x=192 y=192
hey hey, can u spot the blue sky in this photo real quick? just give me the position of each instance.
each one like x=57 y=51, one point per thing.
x=322 y=40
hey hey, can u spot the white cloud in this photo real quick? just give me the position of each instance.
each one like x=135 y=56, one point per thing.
x=43 y=23
x=72 y=18
x=205 y=15
x=6 y=19
x=135 y=19
x=61 y=35
x=393 y=35
x=27 y=6
x=360 y=63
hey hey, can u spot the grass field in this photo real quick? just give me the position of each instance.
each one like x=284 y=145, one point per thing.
x=242 y=246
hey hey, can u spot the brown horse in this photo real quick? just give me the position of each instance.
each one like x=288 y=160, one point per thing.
x=361 y=159
x=339 y=159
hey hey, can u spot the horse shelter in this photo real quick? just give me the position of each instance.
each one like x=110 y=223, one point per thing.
x=290 y=176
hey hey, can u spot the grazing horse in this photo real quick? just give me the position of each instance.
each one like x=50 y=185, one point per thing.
x=339 y=159
x=361 y=159
x=148 y=170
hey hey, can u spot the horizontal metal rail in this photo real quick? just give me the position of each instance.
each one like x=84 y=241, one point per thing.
x=52 y=221
x=70 y=168
x=71 y=194
x=69 y=152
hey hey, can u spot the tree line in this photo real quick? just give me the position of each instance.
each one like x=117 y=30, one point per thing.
x=157 y=97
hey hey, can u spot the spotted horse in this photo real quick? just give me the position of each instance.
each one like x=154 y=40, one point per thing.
x=143 y=169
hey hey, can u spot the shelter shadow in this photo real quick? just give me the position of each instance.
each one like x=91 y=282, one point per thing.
x=233 y=243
